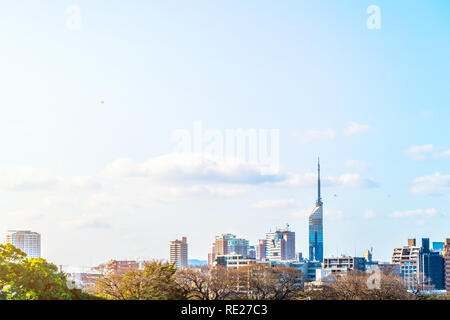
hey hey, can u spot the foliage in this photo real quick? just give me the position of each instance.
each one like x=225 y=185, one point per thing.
x=354 y=286
x=206 y=283
x=155 y=282
x=24 y=278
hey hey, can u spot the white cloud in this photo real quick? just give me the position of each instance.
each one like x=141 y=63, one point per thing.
x=436 y=184
x=348 y=180
x=354 y=128
x=191 y=167
x=415 y=213
x=419 y=152
x=87 y=221
x=423 y=152
x=357 y=165
x=352 y=180
x=80 y=182
x=26 y=179
x=317 y=135
x=282 y=203
x=370 y=214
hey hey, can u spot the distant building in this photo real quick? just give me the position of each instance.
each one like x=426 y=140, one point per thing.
x=234 y=261
x=226 y=244
x=229 y=243
x=212 y=254
x=446 y=255
x=280 y=245
x=420 y=266
x=252 y=252
x=179 y=253
x=431 y=267
x=389 y=268
x=407 y=257
x=438 y=246
x=27 y=241
x=84 y=280
x=307 y=267
x=342 y=265
x=316 y=227
x=121 y=266
x=368 y=256
x=261 y=249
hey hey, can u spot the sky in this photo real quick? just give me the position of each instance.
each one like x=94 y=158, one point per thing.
x=90 y=109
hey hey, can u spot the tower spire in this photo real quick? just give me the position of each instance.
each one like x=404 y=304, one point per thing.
x=319 y=198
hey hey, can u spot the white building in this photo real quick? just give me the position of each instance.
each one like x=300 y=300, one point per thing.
x=27 y=241
x=179 y=253
x=280 y=245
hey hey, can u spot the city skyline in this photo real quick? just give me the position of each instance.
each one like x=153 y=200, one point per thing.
x=89 y=116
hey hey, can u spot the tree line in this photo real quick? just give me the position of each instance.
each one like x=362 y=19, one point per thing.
x=23 y=278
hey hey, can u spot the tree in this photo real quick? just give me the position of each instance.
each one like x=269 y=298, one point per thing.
x=354 y=286
x=255 y=282
x=206 y=283
x=271 y=283
x=155 y=282
x=31 y=279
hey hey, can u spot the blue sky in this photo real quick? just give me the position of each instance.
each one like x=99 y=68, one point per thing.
x=373 y=104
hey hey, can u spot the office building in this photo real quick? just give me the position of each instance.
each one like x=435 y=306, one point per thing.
x=234 y=261
x=431 y=267
x=179 y=253
x=316 y=227
x=446 y=255
x=341 y=265
x=252 y=252
x=407 y=257
x=27 y=241
x=280 y=245
x=212 y=254
x=226 y=244
x=261 y=249
x=420 y=266
x=121 y=266
x=438 y=246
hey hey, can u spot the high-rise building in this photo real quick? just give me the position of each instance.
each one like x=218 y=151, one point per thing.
x=438 y=246
x=212 y=254
x=261 y=250
x=420 y=266
x=431 y=267
x=411 y=242
x=280 y=245
x=446 y=255
x=316 y=227
x=227 y=244
x=179 y=252
x=407 y=257
x=230 y=244
x=252 y=252
x=27 y=241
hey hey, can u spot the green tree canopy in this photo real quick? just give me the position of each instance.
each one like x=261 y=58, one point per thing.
x=24 y=278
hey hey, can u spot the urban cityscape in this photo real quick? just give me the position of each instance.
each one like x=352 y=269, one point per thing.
x=217 y=158
x=423 y=266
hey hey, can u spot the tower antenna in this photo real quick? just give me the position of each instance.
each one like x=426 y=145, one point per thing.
x=319 y=197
